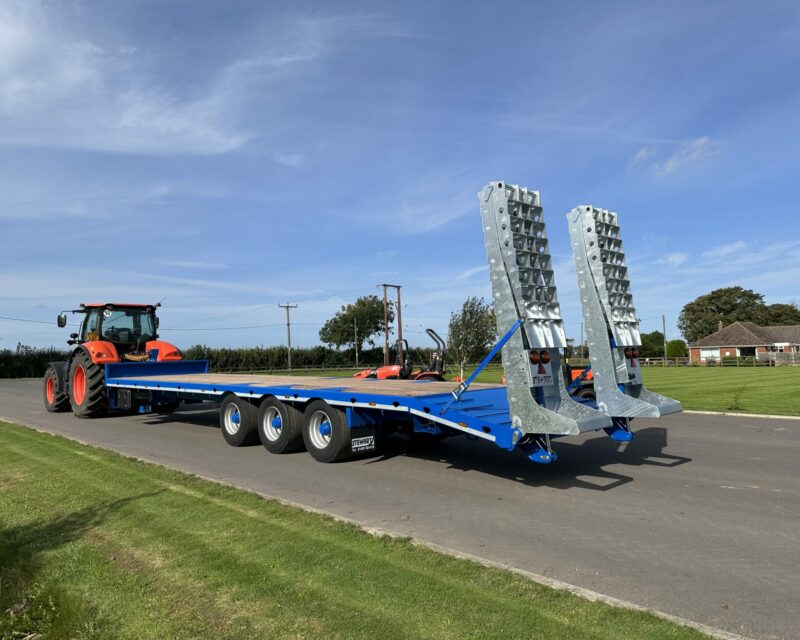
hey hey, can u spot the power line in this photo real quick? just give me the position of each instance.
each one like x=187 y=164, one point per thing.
x=33 y=321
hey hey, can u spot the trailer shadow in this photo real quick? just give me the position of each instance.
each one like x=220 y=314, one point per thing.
x=580 y=464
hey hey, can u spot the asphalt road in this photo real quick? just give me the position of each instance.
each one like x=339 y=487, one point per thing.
x=698 y=517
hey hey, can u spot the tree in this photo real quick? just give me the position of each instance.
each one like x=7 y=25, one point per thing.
x=676 y=349
x=782 y=314
x=701 y=317
x=355 y=323
x=652 y=345
x=472 y=331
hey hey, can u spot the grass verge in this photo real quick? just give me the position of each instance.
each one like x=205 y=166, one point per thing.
x=95 y=545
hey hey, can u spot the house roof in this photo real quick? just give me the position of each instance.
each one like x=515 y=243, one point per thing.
x=747 y=334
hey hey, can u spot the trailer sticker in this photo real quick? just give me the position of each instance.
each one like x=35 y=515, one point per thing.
x=367 y=443
x=543 y=376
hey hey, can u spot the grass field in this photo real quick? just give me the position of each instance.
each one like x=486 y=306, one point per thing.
x=94 y=545
x=774 y=390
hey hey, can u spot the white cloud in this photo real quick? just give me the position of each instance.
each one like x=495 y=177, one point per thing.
x=59 y=88
x=469 y=273
x=293 y=160
x=688 y=153
x=724 y=250
x=642 y=156
x=674 y=259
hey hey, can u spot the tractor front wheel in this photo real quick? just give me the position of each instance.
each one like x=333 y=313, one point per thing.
x=55 y=399
x=87 y=389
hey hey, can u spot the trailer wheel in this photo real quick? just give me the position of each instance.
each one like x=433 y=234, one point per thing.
x=238 y=421
x=55 y=399
x=87 y=388
x=280 y=426
x=325 y=432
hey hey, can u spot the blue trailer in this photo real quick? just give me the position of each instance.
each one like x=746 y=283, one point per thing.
x=333 y=418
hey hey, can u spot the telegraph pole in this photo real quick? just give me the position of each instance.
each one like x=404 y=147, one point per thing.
x=288 y=306
x=355 y=339
x=385 y=327
x=386 y=324
x=664 y=329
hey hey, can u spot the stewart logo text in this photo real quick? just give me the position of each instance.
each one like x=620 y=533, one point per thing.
x=366 y=443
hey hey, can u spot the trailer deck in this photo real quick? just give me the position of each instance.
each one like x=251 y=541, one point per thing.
x=482 y=411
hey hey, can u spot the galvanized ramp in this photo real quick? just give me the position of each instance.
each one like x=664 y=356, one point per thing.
x=523 y=287
x=612 y=328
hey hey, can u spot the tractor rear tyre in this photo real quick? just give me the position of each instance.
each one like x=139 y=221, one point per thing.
x=87 y=389
x=55 y=399
x=325 y=432
x=238 y=421
x=280 y=426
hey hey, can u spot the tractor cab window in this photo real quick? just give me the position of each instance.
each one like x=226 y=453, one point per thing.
x=90 y=325
x=127 y=325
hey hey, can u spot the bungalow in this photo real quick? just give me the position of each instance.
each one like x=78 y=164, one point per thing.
x=746 y=339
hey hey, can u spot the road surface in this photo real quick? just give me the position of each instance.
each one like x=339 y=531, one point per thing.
x=698 y=517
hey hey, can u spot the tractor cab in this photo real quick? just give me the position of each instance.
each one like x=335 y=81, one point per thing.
x=131 y=329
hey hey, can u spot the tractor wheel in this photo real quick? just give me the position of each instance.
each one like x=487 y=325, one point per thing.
x=587 y=393
x=238 y=421
x=325 y=432
x=280 y=426
x=55 y=400
x=87 y=389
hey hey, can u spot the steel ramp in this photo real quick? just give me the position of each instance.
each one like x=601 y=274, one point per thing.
x=523 y=287
x=612 y=328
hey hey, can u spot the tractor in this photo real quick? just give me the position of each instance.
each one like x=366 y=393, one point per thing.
x=405 y=371
x=109 y=332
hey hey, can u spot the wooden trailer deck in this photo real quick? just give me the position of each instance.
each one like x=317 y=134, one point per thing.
x=410 y=388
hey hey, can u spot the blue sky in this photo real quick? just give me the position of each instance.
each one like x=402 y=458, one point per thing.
x=232 y=156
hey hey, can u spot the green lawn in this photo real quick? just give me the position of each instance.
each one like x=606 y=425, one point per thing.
x=95 y=545
x=774 y=390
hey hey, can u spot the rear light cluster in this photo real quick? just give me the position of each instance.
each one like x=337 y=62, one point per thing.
x=631 y=353
x=540 y=356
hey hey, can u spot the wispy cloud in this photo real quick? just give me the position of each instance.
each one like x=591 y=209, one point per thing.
x=293 y=160
x=642 y=156
x=60 y=88
x=688 y=153
x=674 y=259
x=724 y=250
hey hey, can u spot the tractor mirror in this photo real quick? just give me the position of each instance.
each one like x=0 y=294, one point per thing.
x=156 y=323
x=73 y=335
x=62 y=320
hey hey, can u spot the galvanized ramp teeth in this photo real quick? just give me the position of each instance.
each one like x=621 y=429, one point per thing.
x=523 y=287
x=612 y=328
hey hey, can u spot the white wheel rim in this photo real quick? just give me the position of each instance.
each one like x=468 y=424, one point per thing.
x=316 y=426
x=272 y=424
x=232 y=419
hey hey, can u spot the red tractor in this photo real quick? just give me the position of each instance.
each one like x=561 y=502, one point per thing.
x=109 y=332
x=434 y=371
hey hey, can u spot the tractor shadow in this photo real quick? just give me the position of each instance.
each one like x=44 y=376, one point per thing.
x=23 y=548
x=580 y=465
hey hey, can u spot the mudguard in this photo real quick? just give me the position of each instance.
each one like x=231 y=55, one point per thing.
x=166 y=352
x=100 y=351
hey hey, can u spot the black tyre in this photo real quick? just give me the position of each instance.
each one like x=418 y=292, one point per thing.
x=587 y=393
x=325 y=432
x=87 y=387
x=280 y=426
x=238 y=421
x=55 y=398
